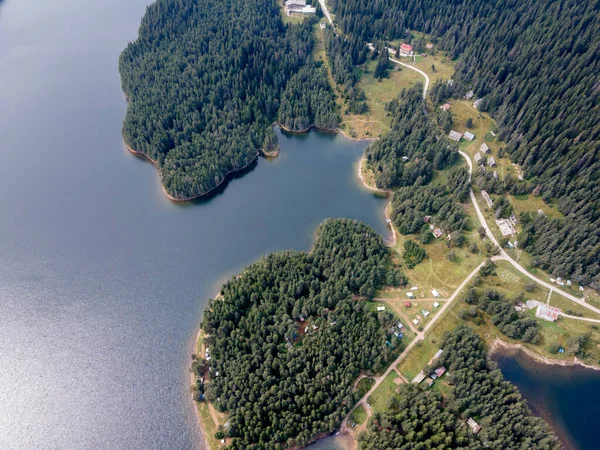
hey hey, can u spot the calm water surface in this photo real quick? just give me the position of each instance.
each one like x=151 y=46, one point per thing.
x=102 y=279
x=567 y=397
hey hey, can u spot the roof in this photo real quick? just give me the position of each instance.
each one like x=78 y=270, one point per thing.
x=440 y=371
x=295 y=2
x=445 y=106
x=435 y=292
x=438 y=354
x=429 y=45
x=406 y=47
x=475 y=427
x=420 y=377
x=381 y=308
x=455 y=135
x=469 y=136
x=484 y=148
x=407 y=304
x=491 y=161
x=477 y=157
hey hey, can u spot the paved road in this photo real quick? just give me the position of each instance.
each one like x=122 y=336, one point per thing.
x=426 y=87
x=326 y=11
x=506 y=256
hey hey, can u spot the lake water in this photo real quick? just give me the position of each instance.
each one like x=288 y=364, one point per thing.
x=567 y=397
x=102 y=279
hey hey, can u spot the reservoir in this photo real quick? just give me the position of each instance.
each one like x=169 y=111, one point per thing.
x=566 y=397
x=102 y=279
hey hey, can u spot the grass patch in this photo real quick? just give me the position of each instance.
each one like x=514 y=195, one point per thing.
x=359 y=416
x=378 y=401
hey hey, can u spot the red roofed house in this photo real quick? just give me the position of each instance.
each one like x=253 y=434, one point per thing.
x=406 y=50
x=445 y=106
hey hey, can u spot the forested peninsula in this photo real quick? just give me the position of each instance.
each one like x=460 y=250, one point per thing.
x=205 y=82
x=288 y=337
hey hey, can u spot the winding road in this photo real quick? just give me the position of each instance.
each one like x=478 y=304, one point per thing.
x=426 y=87
x=505 y=256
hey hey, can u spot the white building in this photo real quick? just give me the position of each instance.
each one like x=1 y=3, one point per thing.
x=469 y=136
x=435 y=293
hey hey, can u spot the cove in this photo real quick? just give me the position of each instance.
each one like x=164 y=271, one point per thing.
x=102 y=279
x=566 y=397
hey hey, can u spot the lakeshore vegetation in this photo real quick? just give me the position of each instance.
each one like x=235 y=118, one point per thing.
x=205 y=81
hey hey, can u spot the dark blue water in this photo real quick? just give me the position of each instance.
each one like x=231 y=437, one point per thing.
x=567 y=397
x=102 y=279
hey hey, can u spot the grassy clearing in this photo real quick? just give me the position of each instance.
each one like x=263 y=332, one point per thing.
x=528 y=202
x=359 y=416
x=436 y=271
x=378 y=401
x=376 y=120
x=425 y=350
x=444 y=67
x=571 y=308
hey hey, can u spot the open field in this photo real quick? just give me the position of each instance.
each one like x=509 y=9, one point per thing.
x=376 y=120
x=379 y=399
x=359 y=416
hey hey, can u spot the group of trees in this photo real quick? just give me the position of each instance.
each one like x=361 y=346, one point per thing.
x=564 y=247
x=413 y=148
x=419 y=418
x=308 y=100
x=411 y=205
x=342 y=54
x=503 y=315
x=204 y=82
x=413 y=254
x=521 y=58
x=288 y=337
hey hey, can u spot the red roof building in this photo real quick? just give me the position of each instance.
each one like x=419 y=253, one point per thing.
x=406 y=50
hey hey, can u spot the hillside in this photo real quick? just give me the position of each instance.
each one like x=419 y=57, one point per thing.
x=535 y=65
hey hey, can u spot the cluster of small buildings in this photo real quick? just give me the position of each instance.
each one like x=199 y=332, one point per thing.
x=507 y=226
x=547 y=312
x=560 y=281
x=299 y=7
x=457 y=135
x=437 y=373
x=399 y=335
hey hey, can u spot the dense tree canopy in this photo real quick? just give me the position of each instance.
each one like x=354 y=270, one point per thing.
x=204 y=81
x=308 y=100
x=408 y=154
x=287 y=338
x=535 y=64
x=422 y=419
x=412 y=204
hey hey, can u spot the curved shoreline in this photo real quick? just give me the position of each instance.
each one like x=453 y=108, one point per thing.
x=205 y=194
x=231 y=173
x=498 y=346
x=388 y=193
x=336 y=130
